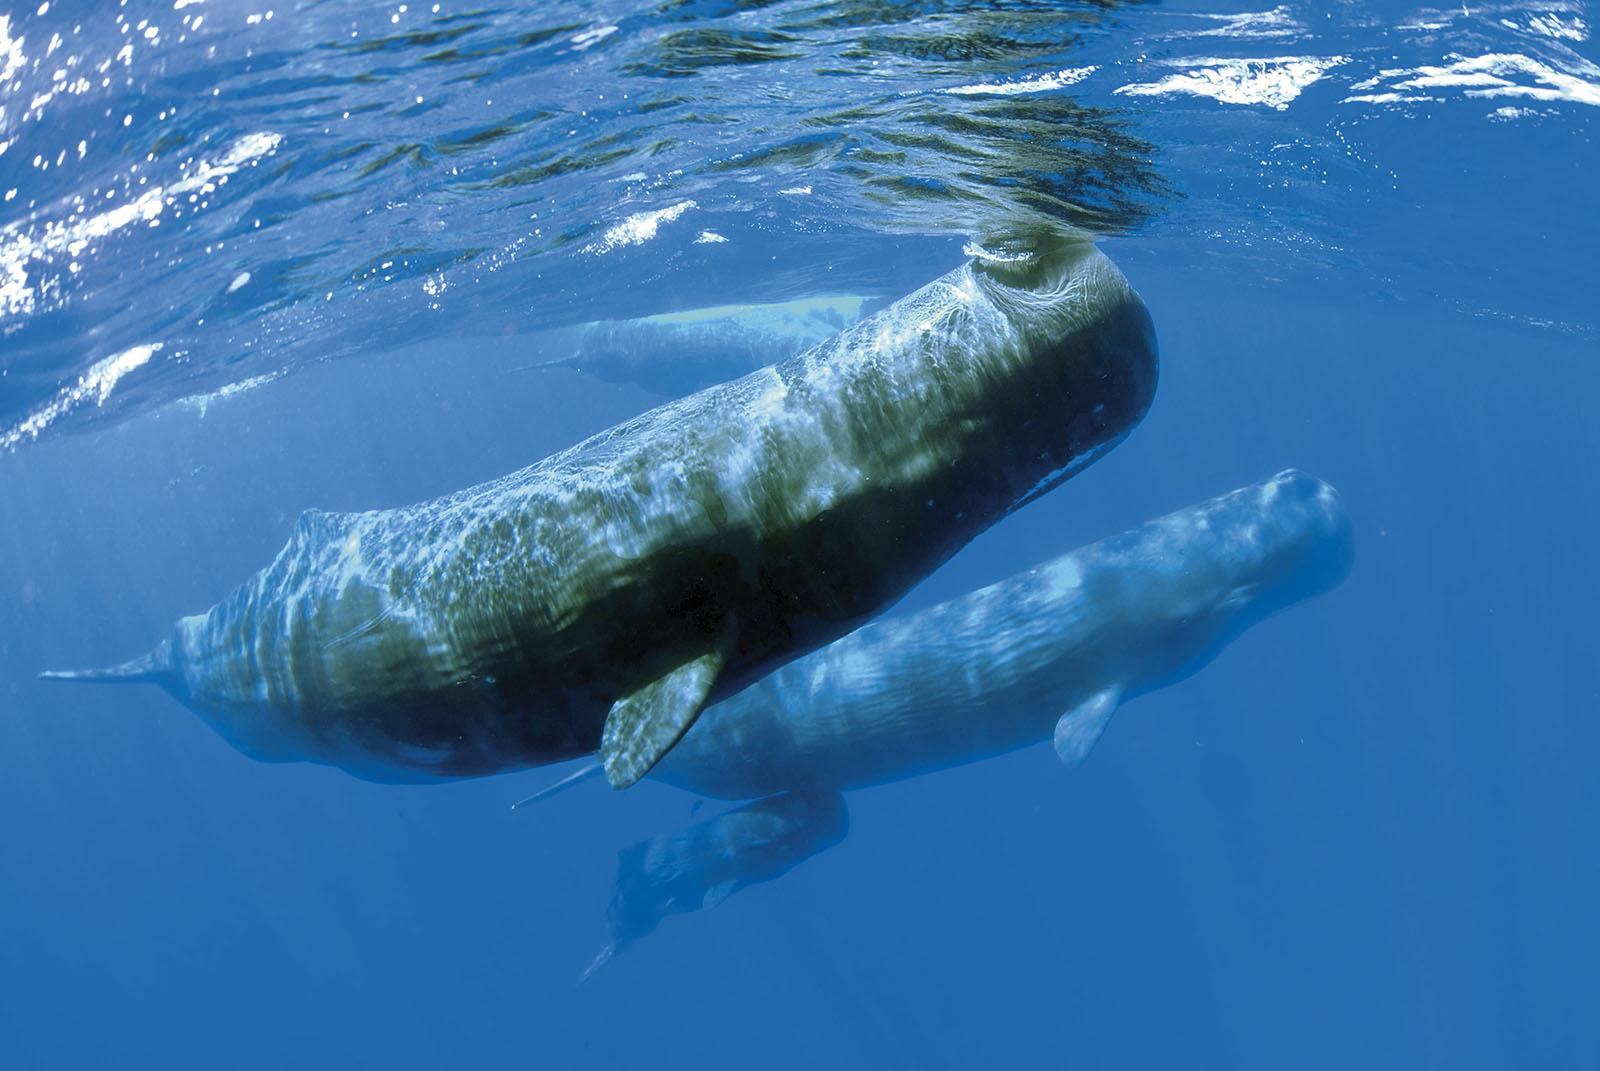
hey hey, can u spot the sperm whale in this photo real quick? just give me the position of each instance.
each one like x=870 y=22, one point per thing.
x=603 y=596
x=1049 y=653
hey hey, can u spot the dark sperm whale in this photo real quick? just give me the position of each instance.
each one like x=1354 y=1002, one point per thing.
x=604 y=595
x=699 y=867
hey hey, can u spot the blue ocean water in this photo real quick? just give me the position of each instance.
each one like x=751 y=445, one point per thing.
x=257 y=260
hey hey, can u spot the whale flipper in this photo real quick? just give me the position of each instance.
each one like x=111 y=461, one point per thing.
x=1081 y=726
x=718 y=893
x=643 y=726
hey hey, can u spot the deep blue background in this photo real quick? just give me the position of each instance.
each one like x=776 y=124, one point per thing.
x=1363 y=837
x=1364 y=834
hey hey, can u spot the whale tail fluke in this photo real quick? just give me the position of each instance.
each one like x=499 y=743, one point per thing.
x=147 y=667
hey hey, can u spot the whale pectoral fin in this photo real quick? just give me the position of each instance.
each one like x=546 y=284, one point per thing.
x=1080 y=727
x=718 y=893
x=643 y=726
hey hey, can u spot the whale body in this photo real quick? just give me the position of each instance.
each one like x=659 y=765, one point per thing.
x=1050 y=652
x=603 y=596
x=677 y=353
x=699 y=867
x=973 y=677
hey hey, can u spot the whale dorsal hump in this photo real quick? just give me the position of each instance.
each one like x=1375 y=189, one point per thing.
x=1080 y=727
x=644 y=725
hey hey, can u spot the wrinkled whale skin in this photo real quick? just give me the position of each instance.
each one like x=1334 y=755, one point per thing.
x=1060 y=644
x=679 y=556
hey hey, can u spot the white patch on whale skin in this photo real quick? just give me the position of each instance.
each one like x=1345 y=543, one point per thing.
x=1061 y=577
x=768 y=405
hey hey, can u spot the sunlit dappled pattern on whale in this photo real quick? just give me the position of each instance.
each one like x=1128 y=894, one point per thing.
x=997 y=669
x=677 y=557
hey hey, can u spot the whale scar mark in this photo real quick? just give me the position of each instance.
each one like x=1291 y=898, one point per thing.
x=361 y=630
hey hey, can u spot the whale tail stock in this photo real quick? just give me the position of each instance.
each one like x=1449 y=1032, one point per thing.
x=147 y=667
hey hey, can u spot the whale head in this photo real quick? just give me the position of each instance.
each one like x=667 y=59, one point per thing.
x=1303 y=544
x=1067 y=307
x=1181 y=587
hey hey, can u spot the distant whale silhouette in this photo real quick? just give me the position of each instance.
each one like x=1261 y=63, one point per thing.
x=701 y=866
x=1051 y=651
x=676 y=353
x=604 y=595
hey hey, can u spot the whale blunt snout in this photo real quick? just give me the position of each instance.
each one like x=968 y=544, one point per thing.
x=1318 y=533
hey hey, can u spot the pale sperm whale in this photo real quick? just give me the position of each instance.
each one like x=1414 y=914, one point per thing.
x=1052 y=651
x=604 y=595
x=676 y=353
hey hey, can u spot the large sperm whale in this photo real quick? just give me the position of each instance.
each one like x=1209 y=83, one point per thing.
x=1048 y=653
x=604 y=595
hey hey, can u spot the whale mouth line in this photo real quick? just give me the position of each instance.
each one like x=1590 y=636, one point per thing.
x=1051 y=480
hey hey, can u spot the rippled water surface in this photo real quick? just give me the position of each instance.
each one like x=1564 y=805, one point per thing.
x=196 y=195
